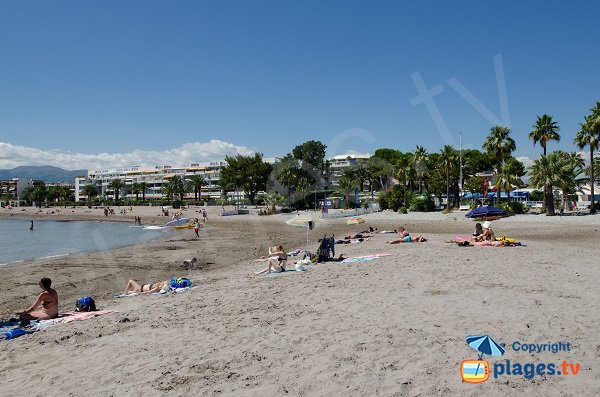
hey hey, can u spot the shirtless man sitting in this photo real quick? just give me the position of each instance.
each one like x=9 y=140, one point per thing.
x=46 y=305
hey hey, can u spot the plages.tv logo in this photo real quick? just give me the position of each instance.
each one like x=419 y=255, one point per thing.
x=478 y=371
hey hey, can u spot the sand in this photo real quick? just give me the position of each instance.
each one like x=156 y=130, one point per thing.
x=395 y=326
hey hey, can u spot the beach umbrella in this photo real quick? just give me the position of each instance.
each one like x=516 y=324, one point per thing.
x=355 y=221
x=308 y=222
x=487 y=210
x=485 y=345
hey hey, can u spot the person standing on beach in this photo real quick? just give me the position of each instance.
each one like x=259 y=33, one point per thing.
x=46 y=305
x=197 y=227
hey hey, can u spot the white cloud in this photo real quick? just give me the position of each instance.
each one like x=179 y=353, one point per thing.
x=13 y=156
x=527 y=161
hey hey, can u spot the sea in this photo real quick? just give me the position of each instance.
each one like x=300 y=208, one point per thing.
x=52 y=239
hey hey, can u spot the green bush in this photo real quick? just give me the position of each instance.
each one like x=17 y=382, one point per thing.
x=517 y=207
x=392 y=199
x=422 y=203
x=537 y=195
x=402 y=210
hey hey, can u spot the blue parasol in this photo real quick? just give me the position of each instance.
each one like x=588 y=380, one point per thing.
x=488 y=210
x=485 y=345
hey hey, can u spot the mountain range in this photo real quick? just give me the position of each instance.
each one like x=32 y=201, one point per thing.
x=46 y=173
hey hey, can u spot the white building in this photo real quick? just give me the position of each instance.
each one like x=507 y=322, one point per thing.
x=337 y=164
x=154 y=177
x=15 y=187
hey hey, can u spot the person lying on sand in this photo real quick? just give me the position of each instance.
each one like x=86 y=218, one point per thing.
x=46 y=305
x=135 y=288
x=277 y=261
x=405 y=237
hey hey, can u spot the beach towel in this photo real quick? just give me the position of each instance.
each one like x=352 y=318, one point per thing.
x=387 y=232
x=287 y=272
x=457 y=239
x=364 y=258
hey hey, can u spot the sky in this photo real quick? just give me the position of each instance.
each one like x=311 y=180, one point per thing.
x=92 y=84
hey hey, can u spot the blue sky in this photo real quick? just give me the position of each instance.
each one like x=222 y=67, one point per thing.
x=149 y=77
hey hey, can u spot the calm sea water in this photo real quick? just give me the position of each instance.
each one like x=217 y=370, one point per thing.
x=50 y=238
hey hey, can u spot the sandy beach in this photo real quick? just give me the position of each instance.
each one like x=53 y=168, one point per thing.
x=394 y=326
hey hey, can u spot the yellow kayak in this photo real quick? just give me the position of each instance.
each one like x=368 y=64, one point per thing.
x=186 y=226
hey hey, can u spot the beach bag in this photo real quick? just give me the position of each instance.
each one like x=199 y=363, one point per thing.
x=86 y=304
x=180 y=282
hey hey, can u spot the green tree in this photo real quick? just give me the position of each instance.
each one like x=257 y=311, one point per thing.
x=196 y=183
x=176 y=187
x=420 y=165
x=569 y=181
x=511 y=175
x=311 y=152
x=405 y=173
x=249 y=173
x=589 y=135
x=448 y=162
x=143 y=188
x=474 y=184
x=346 y=184
x=302 y=185
x=116 y=185
x=379 y=170
x=545 y=129
x=548 y=171
x=499 y=146
x=90 y=191
x=136 y=188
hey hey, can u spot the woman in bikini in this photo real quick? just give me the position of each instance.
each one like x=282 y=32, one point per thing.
x=405 y=237
x=135 y=288
x=46 y=305
x=277 y=260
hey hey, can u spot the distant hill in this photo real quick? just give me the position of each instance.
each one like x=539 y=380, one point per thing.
x=45 y=173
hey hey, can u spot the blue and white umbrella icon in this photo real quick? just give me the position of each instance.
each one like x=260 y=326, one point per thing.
x=484 y=344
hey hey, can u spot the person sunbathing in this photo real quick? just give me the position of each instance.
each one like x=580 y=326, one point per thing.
x=133 y=287
x=405 y=237
x=46 y=305
x=189 y=263
x=277 y=261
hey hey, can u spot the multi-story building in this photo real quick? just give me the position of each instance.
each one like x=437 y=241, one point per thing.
x=337 y=164
x=154 y=177
x=15 y=187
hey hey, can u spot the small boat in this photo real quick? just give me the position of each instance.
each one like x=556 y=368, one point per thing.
x=178 y=222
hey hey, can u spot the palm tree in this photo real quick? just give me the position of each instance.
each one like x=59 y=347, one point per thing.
x=545 y=129
x=346 y=184
x=90 y=191
x=302 y=185
x=196 y=183
x=420 y=165
x=143 y=188
x=116 y=185
x=511 y=174
x=404 y=172
x=136 y=189
x=499 y=145
x=547 y=171
x=448 y=160
x=568 y=181
x=589 y=135
x=176 y=187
